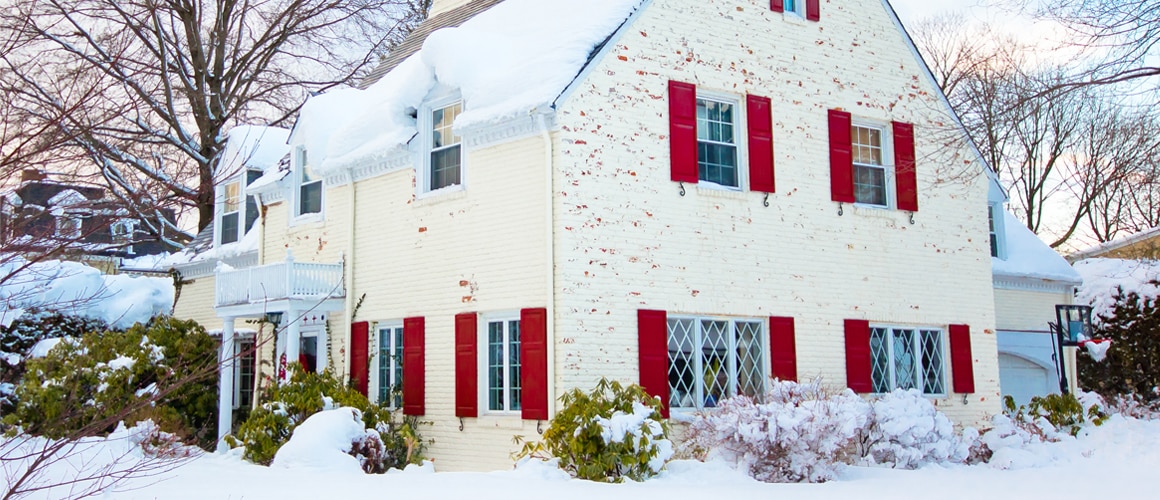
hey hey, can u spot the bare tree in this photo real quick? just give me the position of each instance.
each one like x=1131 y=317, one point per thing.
x=144 y=89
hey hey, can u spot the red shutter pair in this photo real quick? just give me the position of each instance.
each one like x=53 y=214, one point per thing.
x=842 y=161
x=533 y=364
x=813 y=8
x=653 y=352
x=858 y=361
x=683 y=137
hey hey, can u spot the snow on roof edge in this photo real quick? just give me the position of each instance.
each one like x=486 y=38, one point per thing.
x=1030 y=257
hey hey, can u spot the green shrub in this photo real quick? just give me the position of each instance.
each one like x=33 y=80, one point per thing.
x=18 y=338
x=1131 y=368
x=586 y=434
x=1063 y=411
x=87 y=385
x=284 y=406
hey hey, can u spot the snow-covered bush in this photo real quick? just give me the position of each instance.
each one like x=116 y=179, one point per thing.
x=1131 y=366
x=161 y=371
x=286 y=406
x=907 y=431
x=801 y=433
x=608 y=434
x=334 y=439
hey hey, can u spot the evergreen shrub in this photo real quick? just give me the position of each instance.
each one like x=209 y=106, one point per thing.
x=1131 y=368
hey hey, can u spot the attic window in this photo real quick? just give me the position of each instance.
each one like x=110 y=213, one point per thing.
x=444 y=165
x=309 y=185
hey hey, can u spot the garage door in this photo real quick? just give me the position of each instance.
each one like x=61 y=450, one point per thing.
x=1022 y=379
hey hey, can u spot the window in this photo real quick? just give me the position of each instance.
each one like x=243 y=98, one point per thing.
x=310 y=185
x=121 y=231
x=870 y=177
x=68 y=227
x=992 y=230
x=907 y=358
x=390 y=381
x=794 y=6
x=445 y=161
x=244 y=373
x=503 y=365
x=231 y=212
x=716 y=143
x=710 y=359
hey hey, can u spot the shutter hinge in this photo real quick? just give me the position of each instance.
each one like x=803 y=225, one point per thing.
x=766 y=202
x=682 y=189
x=840 y=212
x=539 y=427
x=912 y=218
x=460 y=424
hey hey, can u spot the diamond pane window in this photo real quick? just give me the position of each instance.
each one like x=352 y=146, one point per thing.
x=711 y=359
x=907 y=358
x=391 y=366
x=503 y=365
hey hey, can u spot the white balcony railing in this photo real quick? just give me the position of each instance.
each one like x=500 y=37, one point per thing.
x=284 y=280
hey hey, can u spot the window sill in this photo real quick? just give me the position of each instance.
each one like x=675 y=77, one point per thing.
x=794 y=17
x=439 y=195
x=718 y=191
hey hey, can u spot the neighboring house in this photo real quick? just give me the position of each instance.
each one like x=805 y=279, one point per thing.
x=696 y=195
x=1142 y=245
x=43 y=216
x=1030 y=280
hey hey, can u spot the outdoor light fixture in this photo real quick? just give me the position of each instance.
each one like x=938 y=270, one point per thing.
x=1072 y=328
x=274 y=318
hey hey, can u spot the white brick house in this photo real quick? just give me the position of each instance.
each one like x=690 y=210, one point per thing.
x=706 y=194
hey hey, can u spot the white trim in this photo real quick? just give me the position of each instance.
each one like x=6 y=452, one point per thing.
x=920 y=368
x=740 y=132
x=296 y=172
x=376 y=338
x=424 y=149
x=483 y=322
x=886 y=139
x=698 y=375
x=1026 y=284
x=797 y=12
x=203 y=268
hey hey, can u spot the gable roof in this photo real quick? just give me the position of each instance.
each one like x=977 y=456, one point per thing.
x=414 y=41
x=1110 y=246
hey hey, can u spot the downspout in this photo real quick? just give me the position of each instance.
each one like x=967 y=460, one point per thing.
x=550 y=235
x=349 y=264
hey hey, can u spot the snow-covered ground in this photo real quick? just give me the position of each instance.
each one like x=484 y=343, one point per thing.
x=1117 y=460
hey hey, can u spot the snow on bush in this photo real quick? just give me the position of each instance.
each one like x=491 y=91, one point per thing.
x=907 y=431
x=325 y=440
x=801 y=433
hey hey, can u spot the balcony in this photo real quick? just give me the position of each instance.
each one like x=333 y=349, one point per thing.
x=276 y=282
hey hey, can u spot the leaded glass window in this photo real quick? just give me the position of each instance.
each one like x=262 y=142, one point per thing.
x=391 y=366
x=907 y=358
x=716 y=143
x=711 y=359
x=503 y=365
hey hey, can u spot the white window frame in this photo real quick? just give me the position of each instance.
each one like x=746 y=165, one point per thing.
x=322 y=357
x=484 y=347
x=220 y=211
x=996 y=217
x=892 y=382
x=798 y=8
x=731 y=367
x=426 y=138
x=376 y=364
x=740 y=133
x=240 y=346
x=300 y=159
x=886 y=137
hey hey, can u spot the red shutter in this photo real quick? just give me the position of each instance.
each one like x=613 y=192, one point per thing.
x=962 y=363
x=858 y=356
x=466 y=366
x=777 y=5
x=534 y=363
x=782 y=349
x=413 y=366
x=683 y=131
x=813 y=10
x=905 y=176
x=652 y=341
x=359 y=363
x=841 y=158
x=760 y=117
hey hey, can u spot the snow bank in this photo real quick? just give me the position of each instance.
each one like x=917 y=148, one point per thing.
x=500 y=72
x=77 y=289
x=1029 y=257
x=1102 y=276
x=324 y=441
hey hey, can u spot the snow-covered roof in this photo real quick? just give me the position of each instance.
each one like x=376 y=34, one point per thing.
x=67 y=198
x=1029 y=257
x=1115 y=244
x=499 y=70
x=253 y=147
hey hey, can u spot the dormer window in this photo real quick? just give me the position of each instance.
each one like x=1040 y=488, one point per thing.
x=231 y=212
x=444 y=159
x=236 y=211
x=309 y=185
x=995 y=223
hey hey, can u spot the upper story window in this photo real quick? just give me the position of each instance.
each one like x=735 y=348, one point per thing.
x=794 y=6
x=907 y=358
x=870 y=176
x=711 y=359
x=444 y=162
x=122 y=231
x=717 y=143
x=309 y=184
x=991 y=229
x=236 y=211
